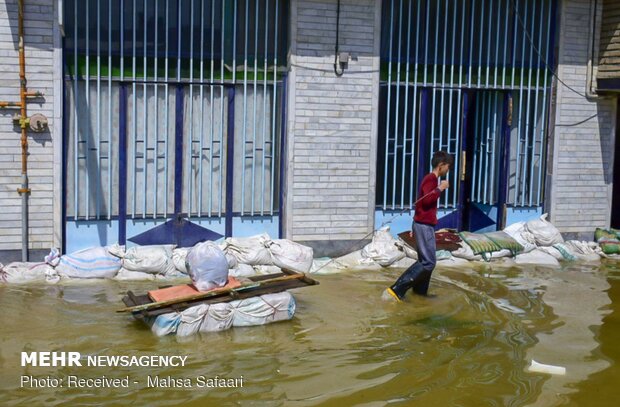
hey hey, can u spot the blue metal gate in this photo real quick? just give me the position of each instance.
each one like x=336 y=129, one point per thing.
x=173 y=112
x=472 y=77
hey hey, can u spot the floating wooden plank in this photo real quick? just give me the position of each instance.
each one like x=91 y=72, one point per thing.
x=142 y=305
x=168 y=293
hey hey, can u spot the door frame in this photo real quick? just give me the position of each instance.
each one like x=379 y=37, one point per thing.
x=465 y=152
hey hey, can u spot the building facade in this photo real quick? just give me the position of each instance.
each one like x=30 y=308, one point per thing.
x=311 y=120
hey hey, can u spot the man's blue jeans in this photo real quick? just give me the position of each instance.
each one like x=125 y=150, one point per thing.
x=418 y=275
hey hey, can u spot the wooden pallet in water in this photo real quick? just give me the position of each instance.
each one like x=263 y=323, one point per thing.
x=143 y=306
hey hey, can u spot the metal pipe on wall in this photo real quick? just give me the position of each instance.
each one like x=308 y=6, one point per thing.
x=24 y=190
x=23 y=122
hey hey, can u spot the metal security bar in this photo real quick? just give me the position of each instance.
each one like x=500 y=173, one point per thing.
x=445 y=134
x=487 y=138
x=177 y=59
x=433 y=52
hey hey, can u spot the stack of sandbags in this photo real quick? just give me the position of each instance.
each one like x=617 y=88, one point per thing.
x=609 y=241
x=264 y=255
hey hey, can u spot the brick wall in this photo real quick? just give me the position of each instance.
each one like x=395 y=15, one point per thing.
x=40 y=40
x=581 y=178
x=332 y=121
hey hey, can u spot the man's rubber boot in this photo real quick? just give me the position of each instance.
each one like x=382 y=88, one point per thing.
x=420 y=284
x=405 y=281
x=390 y=291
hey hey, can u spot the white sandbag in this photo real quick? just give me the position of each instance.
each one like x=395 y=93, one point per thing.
x=383 y=249
x=94 y=262
x=264 y=309
x=537 y=257
x=128 y=275
x=201 y=318
x=566 y=251
x=408 y=250
x=544 y=232
x=166 y=324
x=242 y=270
x=116 y=250
x=207 y=266
x=21 y=273
x=500 y=254
x=191 y=319
x=232 y=260
x=249 y=250
x=585 y=251
x=219 y=317
x=179 y=255
x=518 y=232
x=289 y=255
x=53 y=258
x=155 y=259
x=550 y=369
x=466 y=252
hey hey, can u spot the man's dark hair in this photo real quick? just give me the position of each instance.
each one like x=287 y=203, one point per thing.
x=442 y=157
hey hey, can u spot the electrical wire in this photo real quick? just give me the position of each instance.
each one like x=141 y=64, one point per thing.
x=527 y=34
x=578 y=123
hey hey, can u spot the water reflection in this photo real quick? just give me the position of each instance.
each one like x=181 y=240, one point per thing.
x=470 y=343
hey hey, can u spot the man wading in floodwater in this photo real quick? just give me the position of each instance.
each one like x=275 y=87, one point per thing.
x=419 y=274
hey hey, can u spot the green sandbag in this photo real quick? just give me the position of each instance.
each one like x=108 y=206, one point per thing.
x=505 y=241
x=564 y=251
x=604 y=234
x=610 y=246
x=479 y=243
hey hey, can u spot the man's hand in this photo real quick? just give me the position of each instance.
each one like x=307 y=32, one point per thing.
x=410 y=233
x=444 y=185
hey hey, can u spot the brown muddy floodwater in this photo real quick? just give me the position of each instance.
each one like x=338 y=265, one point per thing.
x=469 y=344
